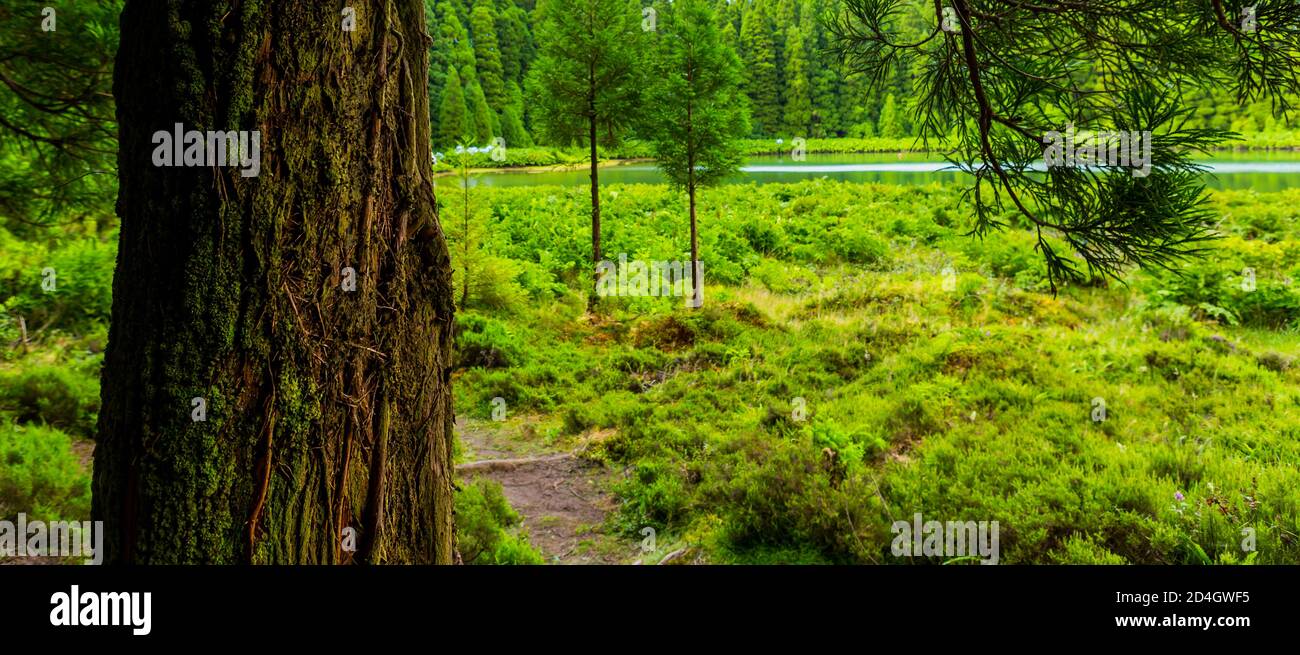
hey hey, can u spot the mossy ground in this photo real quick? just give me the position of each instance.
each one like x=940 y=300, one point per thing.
x=861 y=360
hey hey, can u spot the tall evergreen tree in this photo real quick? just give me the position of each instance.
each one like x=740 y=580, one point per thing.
x=696 y=112
x=487 y=53
x=512 y=119
x=453 y=116
x=482 y=119
x=515 y=41
x=453 y=35
x=826 y=77
x=781 y=15
x=437 y=59
x=586 y=82
x=860 y=104
x=891 y=119
x=798 y=84
x=729 y=17
x=449 y=51
x=785 y=14
x=761 y=81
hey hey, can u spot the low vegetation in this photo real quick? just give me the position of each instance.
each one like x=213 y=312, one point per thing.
x=857 y=359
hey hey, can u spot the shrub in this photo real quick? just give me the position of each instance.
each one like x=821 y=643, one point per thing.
x=655 y=495
x=40 y=475
x=485 y=342
x=856 y=246
x=487 y=527
x=783 y=495
x=55 y=395
x=82 y=270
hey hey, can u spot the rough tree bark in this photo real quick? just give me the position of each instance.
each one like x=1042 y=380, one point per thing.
x=326 y=409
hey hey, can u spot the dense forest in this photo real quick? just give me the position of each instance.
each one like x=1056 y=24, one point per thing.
x=797 y=85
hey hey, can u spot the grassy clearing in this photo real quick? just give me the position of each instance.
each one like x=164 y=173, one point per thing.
x=934 y=372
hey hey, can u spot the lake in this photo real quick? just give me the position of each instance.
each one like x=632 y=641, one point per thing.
x=1259 y=170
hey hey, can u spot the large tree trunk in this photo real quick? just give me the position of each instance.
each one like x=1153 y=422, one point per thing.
x=326 y=408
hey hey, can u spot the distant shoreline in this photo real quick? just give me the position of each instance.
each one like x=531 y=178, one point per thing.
x=547 y=168
x=623 y=161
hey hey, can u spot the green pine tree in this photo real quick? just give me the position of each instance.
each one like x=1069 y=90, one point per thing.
x=782 y=15
x=487 y=54
x=859 y=106
x=585 y=85
x=761 y=81
x=515 y=41
x=798 y=85
x=891 y=120
x=453 y=117
x=696 y=111
x=827 y=82
x=437 y=62
x=1010 y=77
x=512 y=119
x=729 y=14
x=483 y=120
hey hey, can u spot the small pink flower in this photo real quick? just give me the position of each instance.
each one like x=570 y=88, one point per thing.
x=1178 y=496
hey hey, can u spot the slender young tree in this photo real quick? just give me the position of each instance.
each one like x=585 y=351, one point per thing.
x=696 y=112
x=464 y=227
x=1008 y=78
x=276 y=387
x=586 y=83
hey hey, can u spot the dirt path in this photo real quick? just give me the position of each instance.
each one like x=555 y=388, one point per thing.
x=561 y=497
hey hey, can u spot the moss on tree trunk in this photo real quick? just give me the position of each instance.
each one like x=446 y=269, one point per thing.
x=326 y=408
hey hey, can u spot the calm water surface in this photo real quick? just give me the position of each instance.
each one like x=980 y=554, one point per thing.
x=1262 y=171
